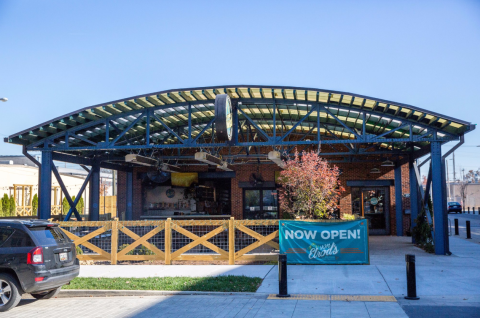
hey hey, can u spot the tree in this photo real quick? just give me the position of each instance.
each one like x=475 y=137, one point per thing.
x=5 y=205
x=65 y=205
x=34 y=204
x=13 y=206
x=310 y=186
x=1 y=209
x=80 y=205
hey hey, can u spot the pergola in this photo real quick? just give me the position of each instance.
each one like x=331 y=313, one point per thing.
x=171 y=126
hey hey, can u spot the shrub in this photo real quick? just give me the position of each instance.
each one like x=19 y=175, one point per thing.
x=5 y=205
x=137 y=251
x=12 y=206
x=65 y=205
x=79 y=250
x=35 y=204
x=349 y=217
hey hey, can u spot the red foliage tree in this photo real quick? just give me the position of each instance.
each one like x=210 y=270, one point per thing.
x=310 y=186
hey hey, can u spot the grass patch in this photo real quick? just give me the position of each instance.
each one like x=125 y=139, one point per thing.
x=215 y=284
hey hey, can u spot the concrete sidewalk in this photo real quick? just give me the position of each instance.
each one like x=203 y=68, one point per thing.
x=458 y=274
x=202 y=306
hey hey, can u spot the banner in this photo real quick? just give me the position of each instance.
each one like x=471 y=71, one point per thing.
x=328 y=243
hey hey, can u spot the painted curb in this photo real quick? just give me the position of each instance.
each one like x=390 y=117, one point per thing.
x=116 y=293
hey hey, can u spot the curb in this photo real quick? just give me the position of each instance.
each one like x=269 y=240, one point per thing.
x=64 y=293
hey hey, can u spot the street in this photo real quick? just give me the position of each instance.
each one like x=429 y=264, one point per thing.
x=462 y=218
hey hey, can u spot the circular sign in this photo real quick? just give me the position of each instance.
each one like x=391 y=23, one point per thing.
x=170 y=193
x=374 y=201
x=223 y=117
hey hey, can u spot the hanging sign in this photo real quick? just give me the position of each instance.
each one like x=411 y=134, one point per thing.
x=327 y=243
x=223 y=117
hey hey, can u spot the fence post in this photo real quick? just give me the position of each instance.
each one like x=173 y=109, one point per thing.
x=231 y=241
x=114 y=248
x=168 y=241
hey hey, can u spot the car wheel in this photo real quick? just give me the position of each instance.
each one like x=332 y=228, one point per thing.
x=9 y=292
x=48 y=294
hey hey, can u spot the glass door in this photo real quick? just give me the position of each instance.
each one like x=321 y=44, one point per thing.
x=375 y=209
x=260 y=204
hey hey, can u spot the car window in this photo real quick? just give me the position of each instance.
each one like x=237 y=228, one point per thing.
x=453 y=203
x=49 y=235
x=18 y=239
x=5 y=233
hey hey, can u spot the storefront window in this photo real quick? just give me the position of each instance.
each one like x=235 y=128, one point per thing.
x=260 y=204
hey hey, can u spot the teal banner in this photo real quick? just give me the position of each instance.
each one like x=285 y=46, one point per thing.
x=327 y=243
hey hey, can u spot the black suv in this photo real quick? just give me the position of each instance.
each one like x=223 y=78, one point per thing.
x=37 y=258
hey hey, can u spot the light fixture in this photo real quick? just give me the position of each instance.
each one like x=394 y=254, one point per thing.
x=276 y=157
x=170 y=168
x=388 y=163
x=212 y=160
x=144 y=161
x=375 y=170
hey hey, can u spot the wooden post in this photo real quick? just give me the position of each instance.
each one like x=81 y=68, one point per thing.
x=168 y=242
x=23 y=202
x=114 y=248
x=231 y=241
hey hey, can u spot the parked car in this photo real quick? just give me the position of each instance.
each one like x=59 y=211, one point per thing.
x=454 y=207
x=37 y=258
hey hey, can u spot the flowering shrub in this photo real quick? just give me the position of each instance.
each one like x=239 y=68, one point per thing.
x=310 y=186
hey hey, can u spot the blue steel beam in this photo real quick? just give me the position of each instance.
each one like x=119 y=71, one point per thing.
x=94 y=211
x=260 y=130
x=203 y=130
x=299 y=122
x=398 y=200
x=413 y=195
x=168 y=128
x=133 y=123
x=438 y=208
x=82 y=189
x=73 y=205
x=129 y=197
x=214 y=145
x=45 y=204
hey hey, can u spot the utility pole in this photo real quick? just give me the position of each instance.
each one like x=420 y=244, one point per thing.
x=448 y=182
x=454 y=177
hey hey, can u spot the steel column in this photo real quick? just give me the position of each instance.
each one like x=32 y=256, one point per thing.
x=45 y=207
x=413 y=195
x=440 y=227
x=94 y=210
x=398 y=200
x=129 y=196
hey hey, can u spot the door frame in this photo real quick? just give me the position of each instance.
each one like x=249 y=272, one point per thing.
x=386 y=212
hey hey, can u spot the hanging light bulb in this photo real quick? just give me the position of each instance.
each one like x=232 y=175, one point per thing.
x=375 y=170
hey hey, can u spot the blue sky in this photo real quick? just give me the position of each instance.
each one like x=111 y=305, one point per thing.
x=59 y=56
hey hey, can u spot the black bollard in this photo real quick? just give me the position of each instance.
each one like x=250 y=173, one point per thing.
x=411 y=278
x=469 y=235
x=456 y=227
x=282 y=276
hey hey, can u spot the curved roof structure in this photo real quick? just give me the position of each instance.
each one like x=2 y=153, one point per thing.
x=271 y=116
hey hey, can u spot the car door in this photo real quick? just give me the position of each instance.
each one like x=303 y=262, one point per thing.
x=5 y=233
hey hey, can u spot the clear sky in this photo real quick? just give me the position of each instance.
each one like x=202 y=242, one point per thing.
x=59 y=56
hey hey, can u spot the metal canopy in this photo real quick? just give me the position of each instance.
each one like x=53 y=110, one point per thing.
x=265 y=117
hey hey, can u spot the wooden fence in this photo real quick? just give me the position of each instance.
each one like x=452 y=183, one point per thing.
x=193 y=240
